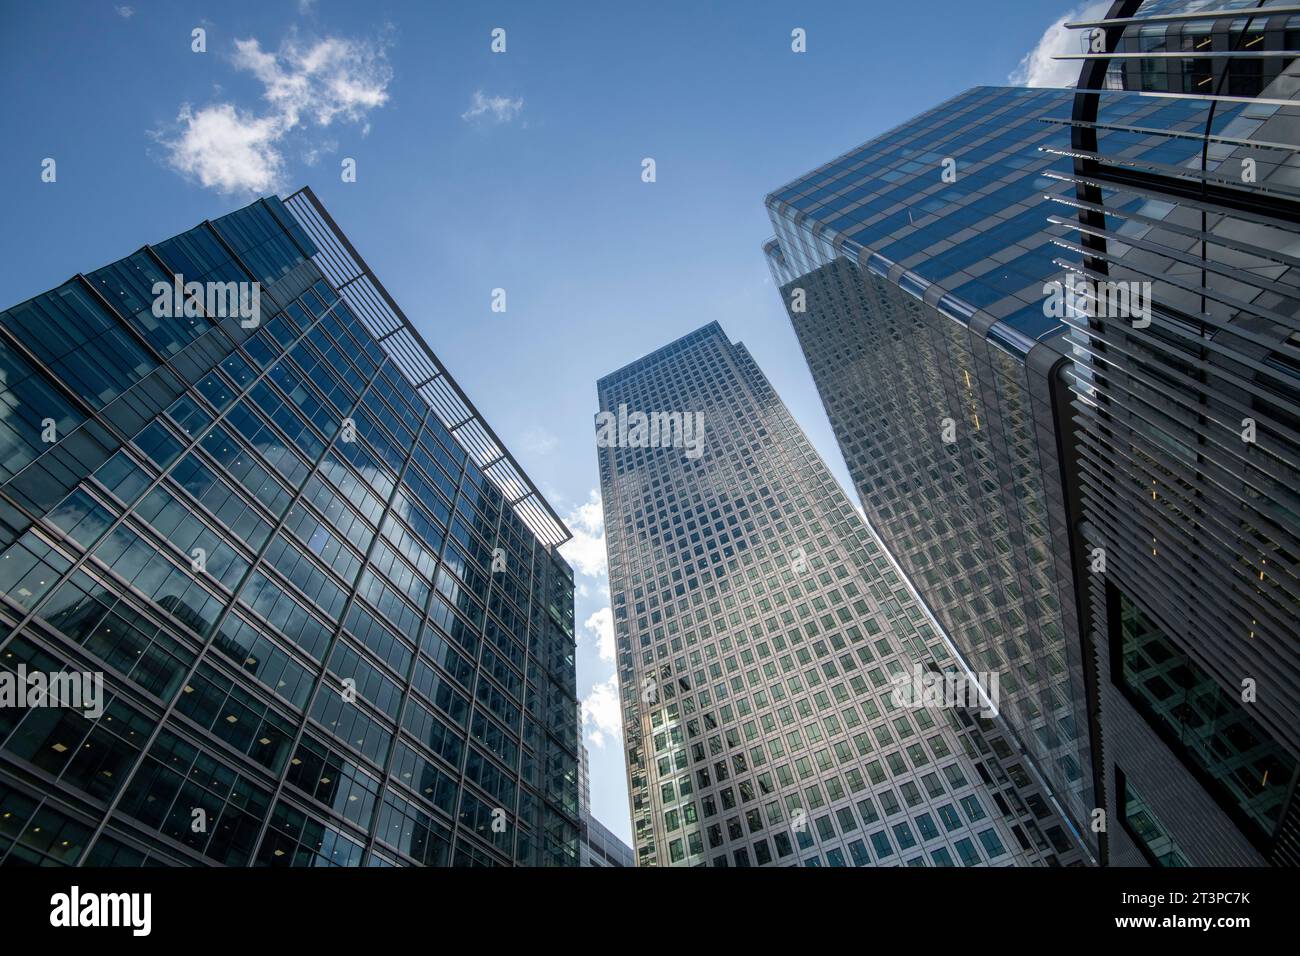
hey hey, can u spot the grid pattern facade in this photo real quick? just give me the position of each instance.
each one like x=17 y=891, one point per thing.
x=347 y=678
x=917 y=299
x=1196 y=190
x=758 y=624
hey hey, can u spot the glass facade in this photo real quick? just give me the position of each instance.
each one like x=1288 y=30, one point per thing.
x=1147 y=832
x=913 y=272
x=1211 y=728
x=329 y=632
x=760 y=628
x=951 y=205
x=1183 y=144
x=600 y=847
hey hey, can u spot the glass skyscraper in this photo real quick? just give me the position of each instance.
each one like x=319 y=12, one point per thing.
x=1098 y=500
x=760 y=628
x=326 y=605
x=912 y=269
x=1183 y=171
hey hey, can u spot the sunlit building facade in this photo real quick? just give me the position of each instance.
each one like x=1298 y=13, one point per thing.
x=1111 y=514
x=326 y=605
x=913 y=271
x=760 y=628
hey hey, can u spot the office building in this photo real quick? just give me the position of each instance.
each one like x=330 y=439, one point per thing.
x=325 y=603
x=912 y=269
x=601 y=847
x=761 y=631
x=1115 y=516
x=1183 y=178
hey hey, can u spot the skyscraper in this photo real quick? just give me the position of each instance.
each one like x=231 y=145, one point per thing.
x=913 y=271
x=325 y=603
x=1056 y=335
x=1183 y=176
x=761 y=632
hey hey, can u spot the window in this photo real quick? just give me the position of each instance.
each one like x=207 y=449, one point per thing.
x=1209 y=729
x=966 y=850
x=1141 y=825
x=992 y=845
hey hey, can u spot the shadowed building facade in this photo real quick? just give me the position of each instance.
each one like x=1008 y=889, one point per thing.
x=1188 y=429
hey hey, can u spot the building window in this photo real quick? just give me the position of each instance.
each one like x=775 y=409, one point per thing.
x=1146 y=831
x=1207 y=726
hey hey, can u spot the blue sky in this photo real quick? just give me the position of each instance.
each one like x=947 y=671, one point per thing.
x=475 y=171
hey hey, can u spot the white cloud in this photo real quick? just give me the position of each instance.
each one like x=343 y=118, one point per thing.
x=319 y=82
x=326 y=79
x=601 y=715
x=601 y=626
x=314 y=152
x=1037 y=68
x=227 y=150
x=125 y=12
x=502 y=109
x=586 y=552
